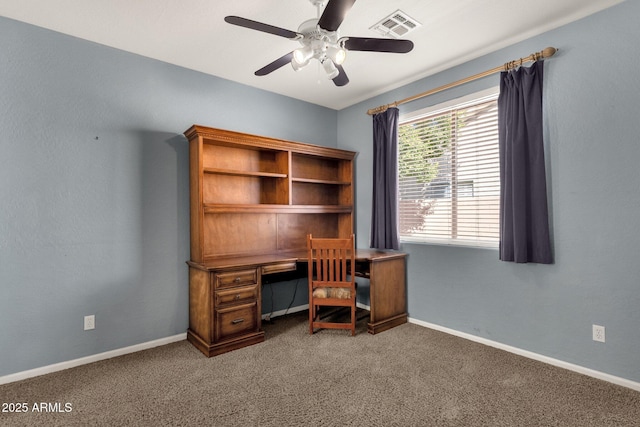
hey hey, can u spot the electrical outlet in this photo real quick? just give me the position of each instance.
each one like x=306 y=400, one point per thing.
x=89 y=322
x=598 y=333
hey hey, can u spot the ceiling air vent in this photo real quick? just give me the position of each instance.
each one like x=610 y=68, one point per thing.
x=396 y=25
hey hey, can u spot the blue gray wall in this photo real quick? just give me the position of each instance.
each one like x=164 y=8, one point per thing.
x=94 y=212
x=100 y=226
x=592 y=131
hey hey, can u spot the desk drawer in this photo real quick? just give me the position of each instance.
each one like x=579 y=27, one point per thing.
x=236 y=295
x=236 y=278
x=279 y=268
x=236 y=320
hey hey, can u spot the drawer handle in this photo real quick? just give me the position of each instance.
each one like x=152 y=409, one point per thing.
x=236 y=321
x=238 y=297
x=237 y=280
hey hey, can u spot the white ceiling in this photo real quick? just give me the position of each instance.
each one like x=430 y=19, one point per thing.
x=193 y=34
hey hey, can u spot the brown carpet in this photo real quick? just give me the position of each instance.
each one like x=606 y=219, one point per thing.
x=407 y=376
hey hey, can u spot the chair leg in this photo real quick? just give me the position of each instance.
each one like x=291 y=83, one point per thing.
x=314 y=315
x=353 y=320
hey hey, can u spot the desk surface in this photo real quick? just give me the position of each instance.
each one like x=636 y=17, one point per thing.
x=368 y=255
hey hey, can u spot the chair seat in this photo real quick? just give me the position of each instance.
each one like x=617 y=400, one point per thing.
x=339 y=293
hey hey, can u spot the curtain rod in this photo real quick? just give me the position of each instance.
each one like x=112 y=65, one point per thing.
x=545 y=53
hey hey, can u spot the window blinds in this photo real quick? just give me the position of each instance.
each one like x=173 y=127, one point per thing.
x=449 y=178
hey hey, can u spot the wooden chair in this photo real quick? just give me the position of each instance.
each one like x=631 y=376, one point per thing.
x=333 y=283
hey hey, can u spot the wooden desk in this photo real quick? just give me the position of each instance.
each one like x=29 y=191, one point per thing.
x=253 y=200
x=225 y=296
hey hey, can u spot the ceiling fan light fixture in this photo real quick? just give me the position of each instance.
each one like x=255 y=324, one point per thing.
x=337 y=54
x=302 y=56
x=296 y=66
x=330 y=68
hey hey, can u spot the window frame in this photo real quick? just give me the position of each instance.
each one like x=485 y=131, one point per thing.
x=445 y=106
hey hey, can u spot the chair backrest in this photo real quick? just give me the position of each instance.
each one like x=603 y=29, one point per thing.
x=334 y=261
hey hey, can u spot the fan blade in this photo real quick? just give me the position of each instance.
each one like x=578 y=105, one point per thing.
x=259 y=26
x=334 y=14
x=341 y=79
x=280 y=62
x=377 y=45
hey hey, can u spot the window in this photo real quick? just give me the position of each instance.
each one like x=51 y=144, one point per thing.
x=449 y=173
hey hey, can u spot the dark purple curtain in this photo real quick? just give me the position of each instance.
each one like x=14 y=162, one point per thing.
x=384 y=215
x=524 y=220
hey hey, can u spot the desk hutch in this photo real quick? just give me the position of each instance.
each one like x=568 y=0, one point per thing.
x=253 y=200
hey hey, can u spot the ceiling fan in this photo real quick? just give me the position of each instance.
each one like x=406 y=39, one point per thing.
x=320 y=40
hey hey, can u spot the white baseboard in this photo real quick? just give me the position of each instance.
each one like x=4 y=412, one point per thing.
x=535 y=356
x=180 y=337
x=18 y=376
x=90 y=359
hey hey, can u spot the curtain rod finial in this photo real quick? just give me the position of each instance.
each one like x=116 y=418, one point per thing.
x=549 y=52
